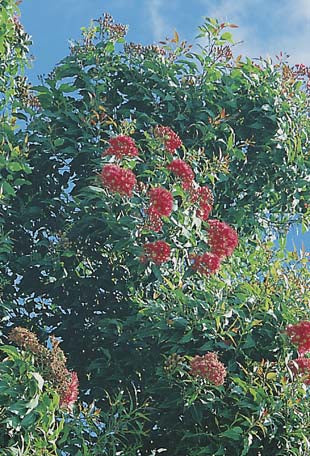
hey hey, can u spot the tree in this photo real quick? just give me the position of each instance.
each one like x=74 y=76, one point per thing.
x=81 y=263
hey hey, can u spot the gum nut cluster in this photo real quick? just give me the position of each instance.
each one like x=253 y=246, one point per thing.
x=71 y=394
x=181 y=169
x=158 y=252
x=206 y=264
x=203 y=196
x=208 y=367
x=122 y=146
x=300 y=336
x=118 y=180
x=170 y=139
x=222 y=238
x=301 y=367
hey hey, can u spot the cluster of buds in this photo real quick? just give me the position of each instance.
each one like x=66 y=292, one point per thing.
x=53 y=362
x=139 y=49
x=115 y=31
x=118 y=180
x=208 y=367
x=122 y=146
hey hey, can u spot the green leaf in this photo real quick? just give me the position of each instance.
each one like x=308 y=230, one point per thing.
x=233 y=433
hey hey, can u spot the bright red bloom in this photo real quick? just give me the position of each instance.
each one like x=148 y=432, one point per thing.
x=154 y=221
x=118 y=179
x=158 y=252
x=181 y=169
x=161 y=201
x=170 y=139
x=72 y=392
x=302 y=369
x=300 y=336
x=122 y=146
x=206 y=264
x=209 y=367
x=203 y=196
x=222 y=238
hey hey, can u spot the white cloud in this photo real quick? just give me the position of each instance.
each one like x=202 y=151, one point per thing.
x=158 y=23
x=267 y=27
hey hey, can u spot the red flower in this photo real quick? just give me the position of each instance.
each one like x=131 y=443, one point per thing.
x=300 y=336
x=209 y=367
x=222 y=238
x=118 y=180
x=122 y=146
x=170 y=139
x=158 y=252
x=181 y=169
x=302 y=369
x=154 y=221
x=204 y=197
x=72 y=392
x=161 y=201
x=206 y=264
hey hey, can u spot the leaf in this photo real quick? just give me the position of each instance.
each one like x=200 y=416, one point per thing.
x=59 y=142
x=39 y=379
x=175 y=37
x=233 y=433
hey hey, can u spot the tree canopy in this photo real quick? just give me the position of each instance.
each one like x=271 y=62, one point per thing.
x=138 y=200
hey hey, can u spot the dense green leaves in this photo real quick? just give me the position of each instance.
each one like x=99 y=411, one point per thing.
x=71 y=249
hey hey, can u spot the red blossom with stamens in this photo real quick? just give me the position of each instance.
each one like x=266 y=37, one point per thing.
x=121 y=146
x=170 y=139
x=181 y=169
x=206 y=264
x=300 y=336
x=209 y=367
x=161 y=201
x=301 y=367
x=154 y=221
x=158 y=252
x=222 y=238
x=71 y=394
x=203 y=196
x=118 y=180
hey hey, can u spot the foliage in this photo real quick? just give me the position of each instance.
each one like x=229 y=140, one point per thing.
x=74 y=267
x=31 y=422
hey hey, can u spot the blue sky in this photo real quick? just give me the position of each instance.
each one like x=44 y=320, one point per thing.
x=266 y=27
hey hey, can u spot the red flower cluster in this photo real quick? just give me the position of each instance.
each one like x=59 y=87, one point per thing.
x=302 y=369
x=204 y=197
x=71 y=394
x=300 y=335
x=161 y=201
x=209 y=367
x=118 y=179
x=222 y=238
x=206 y=264
x=181 y=169
x=170 y=139
x=154 y=221
x=122 y=146
x=158 y=252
